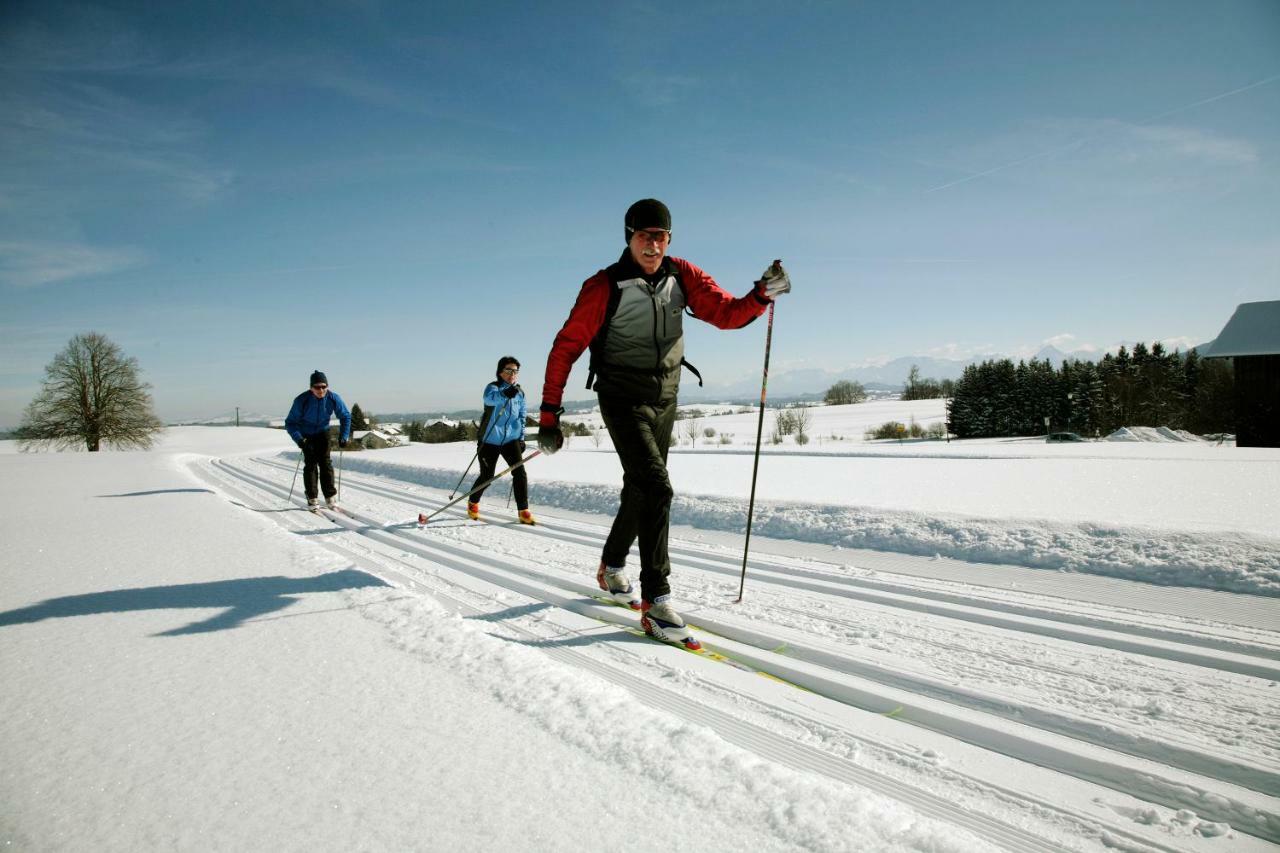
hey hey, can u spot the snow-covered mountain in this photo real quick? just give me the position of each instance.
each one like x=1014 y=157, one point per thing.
x=892 y=374
x=245 y=419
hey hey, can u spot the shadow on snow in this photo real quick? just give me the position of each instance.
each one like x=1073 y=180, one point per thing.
x=242 y=599
x=156 y=492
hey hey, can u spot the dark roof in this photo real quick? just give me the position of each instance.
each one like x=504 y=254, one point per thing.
x=1253 y=330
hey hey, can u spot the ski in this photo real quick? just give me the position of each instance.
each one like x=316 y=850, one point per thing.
x=702 y=651
x=699 y=649
x=321 y=509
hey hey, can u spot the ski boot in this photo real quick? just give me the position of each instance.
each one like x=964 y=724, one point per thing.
x=662 y=622
x=473 y=511
x=331 y=502
x=313 y=504
x=526 y=517
x=614 y=582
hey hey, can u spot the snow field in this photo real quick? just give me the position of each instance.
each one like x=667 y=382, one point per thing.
x=1243 y=811
x=471 y=661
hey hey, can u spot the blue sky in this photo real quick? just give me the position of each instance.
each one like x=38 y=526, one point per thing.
x=399 y=193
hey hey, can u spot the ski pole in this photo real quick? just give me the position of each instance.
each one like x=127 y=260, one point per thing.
x=338 y=494
x=479 y=444
x=755 y=467
x=423 y=517
x=295 y=474
x=474 y=457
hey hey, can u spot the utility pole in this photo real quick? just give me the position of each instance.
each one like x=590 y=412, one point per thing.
x=237 y=416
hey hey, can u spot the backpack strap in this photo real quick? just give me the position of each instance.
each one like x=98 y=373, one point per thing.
x=597 y=343
x=692 y=370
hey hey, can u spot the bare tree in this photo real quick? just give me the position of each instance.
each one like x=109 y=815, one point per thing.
x=784 y=422
x=692 y=428
x=91 y=394
x=801 y=419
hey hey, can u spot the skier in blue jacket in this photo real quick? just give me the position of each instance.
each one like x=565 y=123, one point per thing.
x=308 y=426
x=502 y=433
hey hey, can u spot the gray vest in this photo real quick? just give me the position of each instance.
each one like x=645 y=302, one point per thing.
x=641 y=346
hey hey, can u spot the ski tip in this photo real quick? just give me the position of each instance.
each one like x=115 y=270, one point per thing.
x=692 y=644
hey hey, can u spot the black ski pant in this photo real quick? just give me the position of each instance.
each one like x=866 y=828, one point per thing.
x=488 y=456
x=316 y=464
x=641 y=434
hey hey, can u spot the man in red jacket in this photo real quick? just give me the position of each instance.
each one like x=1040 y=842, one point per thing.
x=630 y=315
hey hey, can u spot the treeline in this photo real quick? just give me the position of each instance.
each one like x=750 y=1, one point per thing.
x=1145 y=387
x=439 y=433
x=926 y=389
x=847 y=391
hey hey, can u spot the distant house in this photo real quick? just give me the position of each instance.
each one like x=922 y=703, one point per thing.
x=1251 y=339
x=377 y=439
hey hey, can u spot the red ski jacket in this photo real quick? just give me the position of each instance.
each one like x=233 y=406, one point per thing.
x=705 y=299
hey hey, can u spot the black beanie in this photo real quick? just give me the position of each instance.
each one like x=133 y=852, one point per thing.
x=646 y=213
x=318 y=378
x=502 y=362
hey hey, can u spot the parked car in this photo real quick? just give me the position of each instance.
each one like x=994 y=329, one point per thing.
x=1054 y=437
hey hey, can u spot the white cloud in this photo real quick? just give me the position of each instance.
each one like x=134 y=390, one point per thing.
x=1105 y=153
x=1196 y=144
x=1065 y=342
x=38 y=264
x=1181 y=343
x=958 y=352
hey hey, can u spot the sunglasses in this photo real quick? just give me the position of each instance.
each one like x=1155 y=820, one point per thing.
x=319 y=387
x=654 y=235
x=510 y=370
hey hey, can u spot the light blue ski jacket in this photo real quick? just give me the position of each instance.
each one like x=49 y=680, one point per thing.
x=507 y=414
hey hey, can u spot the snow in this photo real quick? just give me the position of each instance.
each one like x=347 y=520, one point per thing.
x=191 y=663
x=1160 y=509
x=1160 y=434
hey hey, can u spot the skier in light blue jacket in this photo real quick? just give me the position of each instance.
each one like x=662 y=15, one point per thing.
x=502 y=433
x=308 y=426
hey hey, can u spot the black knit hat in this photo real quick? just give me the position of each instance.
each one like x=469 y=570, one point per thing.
x=318 y=378
x=503 y=362
x=646 y=213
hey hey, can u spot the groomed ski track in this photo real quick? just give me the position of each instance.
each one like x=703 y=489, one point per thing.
x=854 y=695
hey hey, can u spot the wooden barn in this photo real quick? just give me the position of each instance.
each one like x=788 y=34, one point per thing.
x=1251 y=339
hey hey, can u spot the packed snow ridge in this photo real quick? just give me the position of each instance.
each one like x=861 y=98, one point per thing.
x=1222 y=560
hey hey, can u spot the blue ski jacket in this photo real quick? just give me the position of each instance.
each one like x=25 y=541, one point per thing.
x=506 y=414
x=309 y=416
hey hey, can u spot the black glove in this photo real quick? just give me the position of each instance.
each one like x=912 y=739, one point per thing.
x=773 y=283
x=521 y=445
x=342 y=442
x=302 y=443
x=550 y=438
x=510 y=391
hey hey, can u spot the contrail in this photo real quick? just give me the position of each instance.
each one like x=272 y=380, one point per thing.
x=1086 y=139
x=1270 y=79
